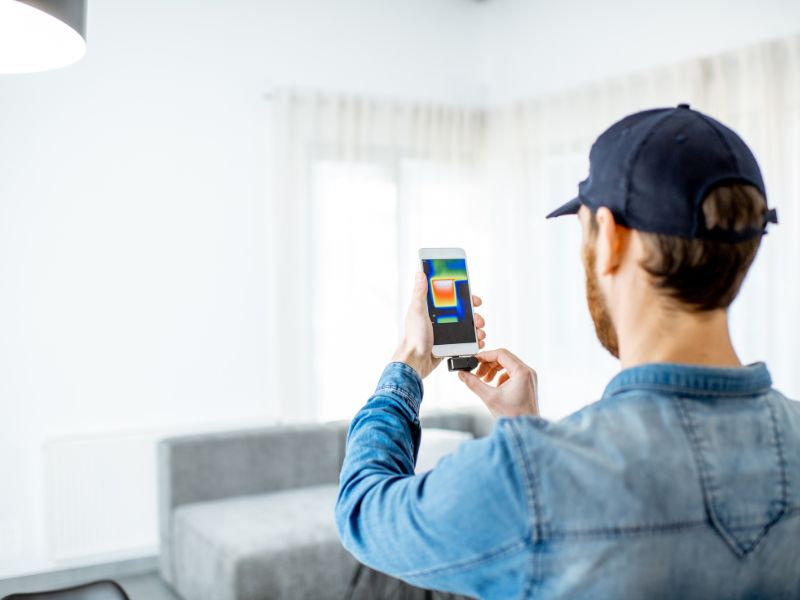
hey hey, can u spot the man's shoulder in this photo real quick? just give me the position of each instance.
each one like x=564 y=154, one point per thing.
x=630 y=462
x=630 y=418
x=611 y=466
x=789 y=406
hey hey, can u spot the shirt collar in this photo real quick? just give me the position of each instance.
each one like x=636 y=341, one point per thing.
x=693 y=379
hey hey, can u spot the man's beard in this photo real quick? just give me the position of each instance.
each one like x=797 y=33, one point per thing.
x=603 y=326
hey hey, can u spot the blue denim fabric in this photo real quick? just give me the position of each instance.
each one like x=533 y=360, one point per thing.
x=681 y=482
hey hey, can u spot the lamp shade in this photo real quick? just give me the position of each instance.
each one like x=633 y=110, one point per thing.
x=39 y=35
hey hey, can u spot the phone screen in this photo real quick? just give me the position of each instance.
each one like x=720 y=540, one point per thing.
x=449 y=304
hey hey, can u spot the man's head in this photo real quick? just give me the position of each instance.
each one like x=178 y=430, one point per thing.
x=685 y=274
x=672 y=213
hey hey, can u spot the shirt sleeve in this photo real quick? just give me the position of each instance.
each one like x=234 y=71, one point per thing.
x=463 y=527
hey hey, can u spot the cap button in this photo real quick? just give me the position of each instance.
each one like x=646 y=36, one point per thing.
x=683 y=106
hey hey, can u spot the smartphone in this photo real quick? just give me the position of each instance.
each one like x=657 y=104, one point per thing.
x=449 y=301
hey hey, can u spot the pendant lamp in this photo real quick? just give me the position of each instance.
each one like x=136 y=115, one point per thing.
x=39 y=35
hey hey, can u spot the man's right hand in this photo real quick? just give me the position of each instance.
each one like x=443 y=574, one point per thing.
x=515 y=393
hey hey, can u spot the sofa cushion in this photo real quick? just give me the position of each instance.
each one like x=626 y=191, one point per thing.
x=277 y=545
x=435 y=444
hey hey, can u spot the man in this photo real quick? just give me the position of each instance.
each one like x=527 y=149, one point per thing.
x=682 y=481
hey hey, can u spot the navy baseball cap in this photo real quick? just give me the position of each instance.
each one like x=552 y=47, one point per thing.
x=653 y=169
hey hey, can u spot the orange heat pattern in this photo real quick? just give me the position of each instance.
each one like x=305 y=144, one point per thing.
x=444 y=292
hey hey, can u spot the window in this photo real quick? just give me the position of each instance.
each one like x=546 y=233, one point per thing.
x=369 y=219
x=354 y=287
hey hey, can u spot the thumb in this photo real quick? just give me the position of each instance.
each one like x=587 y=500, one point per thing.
x=420 y=290
x=482 y=390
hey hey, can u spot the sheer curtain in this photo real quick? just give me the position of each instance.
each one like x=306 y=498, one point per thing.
x=362 y=183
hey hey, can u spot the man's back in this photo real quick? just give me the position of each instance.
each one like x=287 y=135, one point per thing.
x=682 y=481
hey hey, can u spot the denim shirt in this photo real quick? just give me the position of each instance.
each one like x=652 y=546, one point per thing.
x=681 y=482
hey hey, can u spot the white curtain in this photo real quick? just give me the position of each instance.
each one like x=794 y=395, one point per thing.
x=364 y=183
x=361 y=184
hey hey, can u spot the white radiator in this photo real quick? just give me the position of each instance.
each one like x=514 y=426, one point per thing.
x=101 y=495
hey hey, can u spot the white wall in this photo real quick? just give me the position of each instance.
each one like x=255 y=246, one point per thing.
x=133 y=244
x=531 y=48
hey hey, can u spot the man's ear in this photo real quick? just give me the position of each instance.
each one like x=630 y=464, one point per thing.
x=610 y=243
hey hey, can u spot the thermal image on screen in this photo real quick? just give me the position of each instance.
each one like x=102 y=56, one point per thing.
x=448 y=300
x=443 y=292
x=448 y=285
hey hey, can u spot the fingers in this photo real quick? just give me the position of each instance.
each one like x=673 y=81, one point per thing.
x=418 y=300
x=483 y=391
x=480 y=323
x=503 y=357
x=420 y=285
x=487 y=367
x=476 y=300
x=492 y=373
x=507 y=365
x=505 y=399
x=488 y=371
x=483 y=369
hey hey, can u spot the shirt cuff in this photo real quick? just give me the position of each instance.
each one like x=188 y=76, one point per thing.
x=403 y=382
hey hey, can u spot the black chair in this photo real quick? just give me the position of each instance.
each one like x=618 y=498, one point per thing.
x=97 y=590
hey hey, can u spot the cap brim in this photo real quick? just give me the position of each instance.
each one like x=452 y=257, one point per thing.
x=570 y=208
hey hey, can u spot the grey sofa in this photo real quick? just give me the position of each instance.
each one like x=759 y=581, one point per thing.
x=248 y=515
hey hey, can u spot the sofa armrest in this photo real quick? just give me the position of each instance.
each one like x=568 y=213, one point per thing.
x=213 y=466
x=479 y=422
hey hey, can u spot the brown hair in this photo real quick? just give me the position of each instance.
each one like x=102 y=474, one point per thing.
x=702 y=274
